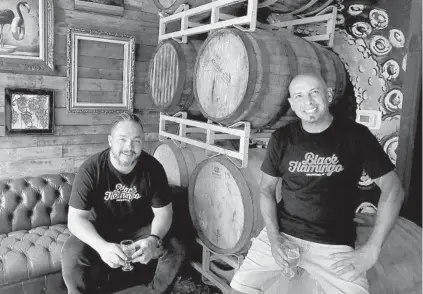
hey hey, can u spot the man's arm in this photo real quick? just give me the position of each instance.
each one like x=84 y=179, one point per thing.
x=365 y=257
x=269 y=213
x=162 y=220
x=268 y=205
x=390 y=202
x=84 y=230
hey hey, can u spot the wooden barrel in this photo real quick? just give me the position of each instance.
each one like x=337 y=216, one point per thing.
x=224 y=202
x=170 y=75
x=295 y=7
x=399 y=267
x=245 y=75
x=178 y=163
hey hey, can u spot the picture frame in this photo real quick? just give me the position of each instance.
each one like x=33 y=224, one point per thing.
x=29 y=111
x=27 y=38
x=112 y=7
x=100 y=71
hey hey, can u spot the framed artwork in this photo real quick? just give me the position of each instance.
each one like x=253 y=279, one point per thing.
x=26 y=35
x=29 y=111
x=114 y=7
x=100 y=71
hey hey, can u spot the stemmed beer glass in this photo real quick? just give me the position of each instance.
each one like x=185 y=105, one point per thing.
x=128 y=248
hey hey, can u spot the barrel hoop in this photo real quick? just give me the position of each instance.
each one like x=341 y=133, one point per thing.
x=293 y=66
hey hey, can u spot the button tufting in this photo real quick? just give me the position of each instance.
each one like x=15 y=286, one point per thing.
x=30 y=213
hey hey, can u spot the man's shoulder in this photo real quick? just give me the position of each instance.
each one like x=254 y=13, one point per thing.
x=287 y=130
x=149 y=160
x=95 y=160
x=349 y=126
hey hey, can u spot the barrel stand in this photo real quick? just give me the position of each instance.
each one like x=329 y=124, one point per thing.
x=208 y=276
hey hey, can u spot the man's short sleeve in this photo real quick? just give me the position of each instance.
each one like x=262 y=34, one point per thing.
x=82 y=187
x=376 y=162
x=160 y=186
x=272 y=158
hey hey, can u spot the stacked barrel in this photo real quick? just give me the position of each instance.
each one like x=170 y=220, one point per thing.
x=232 y=76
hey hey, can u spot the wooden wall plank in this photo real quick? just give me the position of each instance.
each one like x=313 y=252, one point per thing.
x=104 y=22
x=82 y=130
x=102 y=49
x=107 y=74
x=35 y=167
x=85 y=84
x=83 y=150
x=18 y=141
x=72 y=139
x=141 y=15
x=100 y=96
x=65 y=119
x=144 y=5
x=8 y=80
x=30 y=153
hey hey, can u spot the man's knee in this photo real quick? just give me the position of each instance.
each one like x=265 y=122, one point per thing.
x=176 y=248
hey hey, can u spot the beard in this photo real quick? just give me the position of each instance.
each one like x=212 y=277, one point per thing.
x=124 y=160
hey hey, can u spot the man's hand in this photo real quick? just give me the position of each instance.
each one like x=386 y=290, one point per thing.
x=147 y=250
x=355 y=262
x=278 y=246
x=112 y=254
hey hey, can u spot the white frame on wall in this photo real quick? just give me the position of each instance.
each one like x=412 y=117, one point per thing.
x=75 y=35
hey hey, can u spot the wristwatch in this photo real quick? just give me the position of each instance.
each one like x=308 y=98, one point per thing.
x=158 y=240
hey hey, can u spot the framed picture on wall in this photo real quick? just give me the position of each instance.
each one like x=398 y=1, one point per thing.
x=100 y=71
x=29 y=111
x=26 y=35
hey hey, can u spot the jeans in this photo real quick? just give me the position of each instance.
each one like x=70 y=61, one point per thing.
x=80 y=260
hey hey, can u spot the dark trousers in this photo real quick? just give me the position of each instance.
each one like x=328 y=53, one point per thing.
x=80 y=261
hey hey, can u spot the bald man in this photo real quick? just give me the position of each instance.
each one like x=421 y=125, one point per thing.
x=320 y=160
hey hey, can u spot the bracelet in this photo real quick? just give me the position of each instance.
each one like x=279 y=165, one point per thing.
x=158 y=239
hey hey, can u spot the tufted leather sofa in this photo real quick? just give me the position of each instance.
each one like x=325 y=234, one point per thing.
x=33 y=217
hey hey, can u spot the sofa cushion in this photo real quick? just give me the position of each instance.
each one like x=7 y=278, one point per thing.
x=30 y=202
x=33 y=253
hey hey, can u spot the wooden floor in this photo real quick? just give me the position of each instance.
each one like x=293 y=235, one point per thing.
x=188 y=282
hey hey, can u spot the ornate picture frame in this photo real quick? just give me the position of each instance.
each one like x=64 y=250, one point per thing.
x=26 y=35
x=29 y=111
x=100 y=71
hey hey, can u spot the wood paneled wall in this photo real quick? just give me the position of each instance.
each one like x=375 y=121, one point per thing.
x=77 y=136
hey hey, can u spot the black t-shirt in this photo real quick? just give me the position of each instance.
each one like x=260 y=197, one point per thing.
x=320 y=173
x=120 y=202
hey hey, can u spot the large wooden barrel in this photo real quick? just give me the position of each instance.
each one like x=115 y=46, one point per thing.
x=295 y=7
x=178 y=163
x=224 y=202
x=170 y=75
x=245 y=75
x=399 y=267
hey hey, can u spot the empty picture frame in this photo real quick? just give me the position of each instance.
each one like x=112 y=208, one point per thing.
x=100 y=71
x=29 y=111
